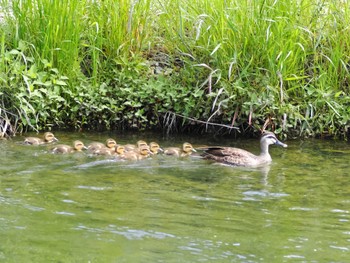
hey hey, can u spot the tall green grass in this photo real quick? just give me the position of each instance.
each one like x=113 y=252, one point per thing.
x=285 y=59
x=242 y=63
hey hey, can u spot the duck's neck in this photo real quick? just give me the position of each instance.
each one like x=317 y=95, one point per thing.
x=264 y=149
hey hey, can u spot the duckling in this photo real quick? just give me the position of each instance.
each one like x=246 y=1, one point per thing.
x=48 y=138
x=141 y=153
x=110 y=143
x=117 y=150
x=78 y=146
x=133 y=147
x=186 y=150
x=240 y=157
x=155 y=148
x=120 y=150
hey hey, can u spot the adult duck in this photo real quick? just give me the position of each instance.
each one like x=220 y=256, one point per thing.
x=186 y=150
x=47 y=138
x=240 y=157
x=78 y=146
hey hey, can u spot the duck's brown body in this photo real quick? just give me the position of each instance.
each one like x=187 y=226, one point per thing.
x=240 y=157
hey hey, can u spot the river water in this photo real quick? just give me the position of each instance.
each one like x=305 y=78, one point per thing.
x=81 y=208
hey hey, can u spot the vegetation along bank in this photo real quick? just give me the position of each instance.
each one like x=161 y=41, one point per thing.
x=200 y=66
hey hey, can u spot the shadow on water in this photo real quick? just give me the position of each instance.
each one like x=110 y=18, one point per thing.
x=84 y=208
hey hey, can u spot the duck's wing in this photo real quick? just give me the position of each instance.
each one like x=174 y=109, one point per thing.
x=229 y=155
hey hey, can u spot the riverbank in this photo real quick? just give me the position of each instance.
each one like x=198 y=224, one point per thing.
x=218 y=66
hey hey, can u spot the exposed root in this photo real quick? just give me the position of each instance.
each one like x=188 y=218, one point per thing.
x=170 y=122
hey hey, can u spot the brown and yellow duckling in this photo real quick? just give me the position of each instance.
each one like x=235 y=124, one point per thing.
x=133 y=147
x=48 y=138
x=155 y=148
x=117 y=150
x=94 y=146
x=186 y=150
x=78 y=146
x=240 y=157
x=142 y=152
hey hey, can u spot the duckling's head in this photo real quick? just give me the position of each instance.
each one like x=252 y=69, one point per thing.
x=49 y=137
x=79 y=146
x=120 y=149
x=144 y=150
x=111 y=143
x=141 y=143
x=188 y=148
x=155 y=148
x=269 y=138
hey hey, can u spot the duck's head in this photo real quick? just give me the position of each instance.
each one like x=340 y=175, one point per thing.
x=120 y=149
x=111 y=143
x=188 y=148
x=269 y=138
x=79 y=146
x=49 y=137
x=155 y=148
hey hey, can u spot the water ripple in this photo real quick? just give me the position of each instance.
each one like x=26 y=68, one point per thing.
x=131 y=234
x=65 y=213
x=340 y=248
x=96 y=188
x=34 y=208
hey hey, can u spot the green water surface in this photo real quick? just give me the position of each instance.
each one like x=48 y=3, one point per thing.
x=81 y=208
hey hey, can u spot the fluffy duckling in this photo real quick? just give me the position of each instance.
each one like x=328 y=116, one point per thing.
x=141 y=153
x=240 y=157
x=117 y=150
x=120 y=150
x=48 y=138
x=94 y=146
x=78 y=146
x=133 y=147
x=186 y=150
x=155 y=148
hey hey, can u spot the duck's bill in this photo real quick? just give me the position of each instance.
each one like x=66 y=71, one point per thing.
x=281 y=144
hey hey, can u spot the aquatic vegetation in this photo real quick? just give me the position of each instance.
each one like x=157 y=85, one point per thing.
x=128 y=64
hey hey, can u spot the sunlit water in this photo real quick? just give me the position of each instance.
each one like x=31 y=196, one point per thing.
x=79 y=208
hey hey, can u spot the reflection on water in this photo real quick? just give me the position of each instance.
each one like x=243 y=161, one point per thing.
x=79 y=208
